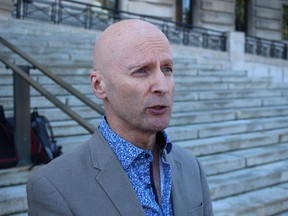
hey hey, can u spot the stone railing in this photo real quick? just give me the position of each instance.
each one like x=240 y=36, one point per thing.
x=91 y=16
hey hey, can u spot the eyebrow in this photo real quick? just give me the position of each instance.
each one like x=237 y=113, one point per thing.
x=147 y=62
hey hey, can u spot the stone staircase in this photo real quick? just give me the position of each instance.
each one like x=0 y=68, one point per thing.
x=236 y=125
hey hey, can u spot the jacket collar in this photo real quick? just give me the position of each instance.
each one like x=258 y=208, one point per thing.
x=178 y=190
x=104 y=160
x=110 y=169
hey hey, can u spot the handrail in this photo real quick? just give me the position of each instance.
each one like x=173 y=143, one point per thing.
x=47 y=94
x=55 y=78
x=90 y=16
x=266 y=47
x=117 y=13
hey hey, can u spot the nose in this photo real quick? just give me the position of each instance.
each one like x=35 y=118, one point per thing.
x=160 y=83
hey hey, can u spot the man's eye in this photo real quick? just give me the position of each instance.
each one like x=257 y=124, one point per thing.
x=141 y=71
x=167 y=69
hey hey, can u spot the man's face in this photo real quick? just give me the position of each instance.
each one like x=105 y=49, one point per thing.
x=140 y=85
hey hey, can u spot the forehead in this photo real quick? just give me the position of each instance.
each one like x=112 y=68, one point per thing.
x=146 y=48
x=129 y=41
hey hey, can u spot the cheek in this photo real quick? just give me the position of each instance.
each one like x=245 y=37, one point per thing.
x=126 y=93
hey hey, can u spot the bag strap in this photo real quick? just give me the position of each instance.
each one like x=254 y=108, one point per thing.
x=49 y=128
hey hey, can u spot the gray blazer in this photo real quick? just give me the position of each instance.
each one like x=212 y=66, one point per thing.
x=91 y=181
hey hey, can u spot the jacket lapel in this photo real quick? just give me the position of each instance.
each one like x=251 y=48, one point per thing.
x=178 y=193
x=113 y=178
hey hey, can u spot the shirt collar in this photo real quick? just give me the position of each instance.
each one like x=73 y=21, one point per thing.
x=126 y=151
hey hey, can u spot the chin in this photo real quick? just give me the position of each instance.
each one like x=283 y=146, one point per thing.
x=159 y=127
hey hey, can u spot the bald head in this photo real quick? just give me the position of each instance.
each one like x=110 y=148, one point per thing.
x=133 y=75
x=115 y=42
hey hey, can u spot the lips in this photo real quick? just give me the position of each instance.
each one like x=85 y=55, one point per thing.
x=158 y=109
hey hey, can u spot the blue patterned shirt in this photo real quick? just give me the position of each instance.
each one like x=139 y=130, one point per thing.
x=137 y=163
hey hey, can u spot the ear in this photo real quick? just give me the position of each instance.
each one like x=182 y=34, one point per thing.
x=97 y=84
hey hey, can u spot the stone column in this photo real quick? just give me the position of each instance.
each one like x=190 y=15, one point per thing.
x=6 y=8
x=236 y=48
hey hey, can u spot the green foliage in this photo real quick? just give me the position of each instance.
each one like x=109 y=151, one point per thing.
x=285 y=23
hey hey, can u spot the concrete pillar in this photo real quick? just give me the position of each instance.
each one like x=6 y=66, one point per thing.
x=6 y=8
x=235 y=45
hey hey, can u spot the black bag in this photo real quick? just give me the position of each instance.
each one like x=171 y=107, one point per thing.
x=8 y=153
x=45 y=149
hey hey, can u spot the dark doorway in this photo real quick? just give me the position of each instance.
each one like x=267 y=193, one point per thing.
x=184 y=11
x=285 y=23
x=241 y=15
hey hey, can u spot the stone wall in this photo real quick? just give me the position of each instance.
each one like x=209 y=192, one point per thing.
x=235 y=58
x=265 y=18
x=214 y=14
x=6 y=7
x=256 y=66
x=159 y=8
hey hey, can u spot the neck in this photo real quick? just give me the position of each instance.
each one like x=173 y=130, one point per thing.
x=143 y=141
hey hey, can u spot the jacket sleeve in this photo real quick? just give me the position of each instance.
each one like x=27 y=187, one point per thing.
x=44 y=199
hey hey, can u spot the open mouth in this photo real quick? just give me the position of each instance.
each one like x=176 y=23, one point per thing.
x=158 y=110
x=159 y=107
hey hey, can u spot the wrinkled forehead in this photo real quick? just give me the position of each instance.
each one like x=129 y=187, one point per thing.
x=146 y=44
x=131 y=39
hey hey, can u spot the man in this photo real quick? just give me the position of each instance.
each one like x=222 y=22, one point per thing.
x=129 y=166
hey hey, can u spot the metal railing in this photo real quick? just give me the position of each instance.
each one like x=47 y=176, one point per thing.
x=265 y=47
x=83 y=122
x=91 y=16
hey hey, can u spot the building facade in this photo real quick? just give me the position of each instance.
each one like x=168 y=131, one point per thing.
x=259 y=18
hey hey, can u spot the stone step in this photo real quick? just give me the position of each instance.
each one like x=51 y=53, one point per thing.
x=268 y=201
x=42 y=103
x=13 y=200
x=193 y=110
x=205 y=88
x=248 y=179
x=80 y=36
x=205 y=130
x=87 y=58
x=186 y=132
x=14 y=176
x=184 y=101
x=218 y=79
x=82 y=54
x=204 y=73
x=184 y=60
x=190 y=132
x=234 y=94
x=192 y=106
x=6 y=81
x=41 y=52
x=240 y=159
x=184 y=118
x=178 y=119
x=69 y=143
x=32 y=27
x=198 y=66
x=223 y=144
x=213 y=164
x=182 y=85
x=226 y=73
x=17 y=195
x=84 y=78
